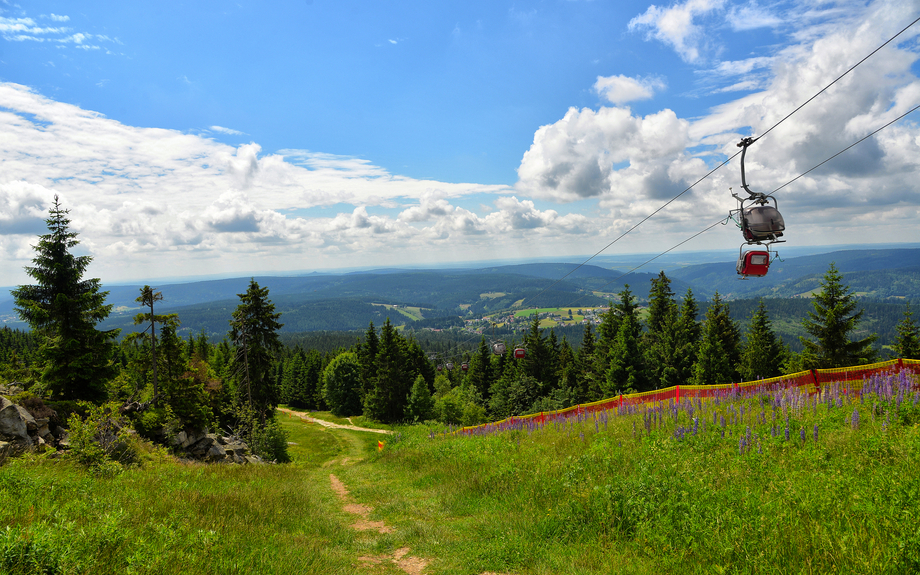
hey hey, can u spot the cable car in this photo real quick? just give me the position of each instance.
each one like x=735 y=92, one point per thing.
x=761 y=224
x=440 y=367
x=498 y=348
x=464 y=366
x=520 y=353
x=753 y=263
x=450 y=366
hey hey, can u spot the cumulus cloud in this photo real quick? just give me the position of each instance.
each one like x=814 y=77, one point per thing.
x=631 y=165
x=622 y=89
x=575 y=157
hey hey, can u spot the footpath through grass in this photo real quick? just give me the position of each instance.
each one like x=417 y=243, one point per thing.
x=777 y=483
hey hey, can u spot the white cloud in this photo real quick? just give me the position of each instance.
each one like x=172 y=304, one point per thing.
x=676 y=25
x=752 y=16
x=229 y=131
x=58 y=18
x=631 y=165
x=622 y=89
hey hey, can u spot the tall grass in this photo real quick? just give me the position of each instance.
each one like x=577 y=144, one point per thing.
x=779 y=482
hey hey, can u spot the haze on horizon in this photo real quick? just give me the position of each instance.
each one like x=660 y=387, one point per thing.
x=237 y=137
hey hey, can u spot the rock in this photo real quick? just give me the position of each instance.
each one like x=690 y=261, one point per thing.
x=4 y=451
x=14 y=421
x=180 y=438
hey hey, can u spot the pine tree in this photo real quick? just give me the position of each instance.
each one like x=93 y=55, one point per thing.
x=764 y=354
x=385 y=401
x=688 y=339
x=627 y=368
x=64 y=310
x=907 y=344
x=661 y=306
x=834 y=319
x=588 y=382
x=253 y=330
x=147 y=298
x=367 y=356
x=719 y=350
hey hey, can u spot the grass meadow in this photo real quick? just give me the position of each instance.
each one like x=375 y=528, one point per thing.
x=778 y=482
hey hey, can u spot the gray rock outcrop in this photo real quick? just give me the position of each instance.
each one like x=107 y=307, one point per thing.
x=214 y=448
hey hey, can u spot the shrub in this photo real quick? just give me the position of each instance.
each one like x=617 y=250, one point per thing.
x=100 y=437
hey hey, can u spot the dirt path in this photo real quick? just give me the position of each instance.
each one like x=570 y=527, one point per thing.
x=306 y=417
x=400 y=557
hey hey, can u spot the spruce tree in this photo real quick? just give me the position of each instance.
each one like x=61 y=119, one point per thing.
x=64 y=310
x=385 y=401
x=719 y=349
x=831 y=323
x=907 y=344
x=588 y=384
x=419 y=405
x=626 y=372
x=764 y=353
x=688 y=339
x=253 y=330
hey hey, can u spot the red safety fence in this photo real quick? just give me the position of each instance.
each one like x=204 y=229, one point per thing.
x=812 y=380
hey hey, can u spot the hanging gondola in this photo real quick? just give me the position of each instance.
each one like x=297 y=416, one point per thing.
x=450 y=366
x=498 y=347
x=761 y=224
x=520 y=353
x=464 y=366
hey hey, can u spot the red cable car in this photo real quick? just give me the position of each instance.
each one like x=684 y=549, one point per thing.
x=753 y=263
x=440 y=367
x=519 y=353
x=464 y=366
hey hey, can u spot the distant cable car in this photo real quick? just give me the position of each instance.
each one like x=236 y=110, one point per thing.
x=440 y=367
x=450 y=366
x=753 y=263
x=520 y=353
x=464 y=366
x=498 y=348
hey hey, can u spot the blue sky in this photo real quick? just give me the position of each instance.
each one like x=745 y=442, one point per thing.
x=217 y=137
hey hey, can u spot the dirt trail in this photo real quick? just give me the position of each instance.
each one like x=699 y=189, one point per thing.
x=400 y=557
x=306 y=417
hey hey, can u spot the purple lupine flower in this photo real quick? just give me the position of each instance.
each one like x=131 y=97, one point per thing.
x=816 y=433
x=854 y=419
x=696 y=425
x=787 y=430
x=802 y=435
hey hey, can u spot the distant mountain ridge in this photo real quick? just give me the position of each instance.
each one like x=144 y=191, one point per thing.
x=347 y=301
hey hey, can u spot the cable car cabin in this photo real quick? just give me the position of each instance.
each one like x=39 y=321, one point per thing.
x=498 y=348
x=519 y=353
x=464 y=366
x=754 y=263
x=440 y=367
x=762 y=223
x=450 y=367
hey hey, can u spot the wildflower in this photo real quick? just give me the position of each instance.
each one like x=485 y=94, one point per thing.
x=854 y=419
x=802 y=435
x=816 y=433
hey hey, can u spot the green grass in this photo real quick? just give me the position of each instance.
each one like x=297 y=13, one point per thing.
x=584 y=498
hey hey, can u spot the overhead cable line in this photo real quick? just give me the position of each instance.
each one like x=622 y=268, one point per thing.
x=725 y=220
x=770 y=129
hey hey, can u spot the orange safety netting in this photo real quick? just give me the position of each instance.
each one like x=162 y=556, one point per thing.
x=810 y=379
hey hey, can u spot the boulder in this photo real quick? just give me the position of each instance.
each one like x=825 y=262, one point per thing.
x=15 y=422
x=4 y=451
